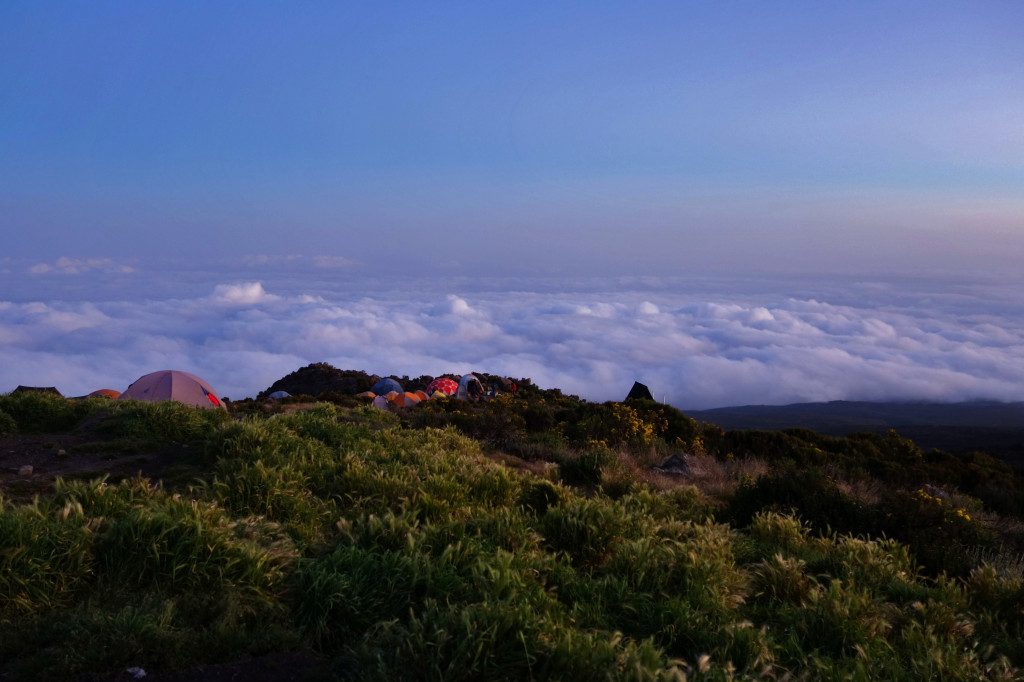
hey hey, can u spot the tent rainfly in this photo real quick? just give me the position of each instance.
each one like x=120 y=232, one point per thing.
x=37 y=389
x=104 y=393
x=406 y=399
x=170 y=384
x=444 y=385
x=639 y=392
x=470 y=388
x=385 y=386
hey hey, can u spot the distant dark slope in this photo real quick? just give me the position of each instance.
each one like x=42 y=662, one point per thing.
x=991 y=426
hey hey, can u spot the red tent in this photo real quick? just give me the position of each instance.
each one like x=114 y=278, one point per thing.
x=444 y=385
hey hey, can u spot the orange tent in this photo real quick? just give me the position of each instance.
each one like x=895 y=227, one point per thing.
x=405 y=399
x=105 y=393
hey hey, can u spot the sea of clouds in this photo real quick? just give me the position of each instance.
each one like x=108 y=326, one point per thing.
x=697 y=342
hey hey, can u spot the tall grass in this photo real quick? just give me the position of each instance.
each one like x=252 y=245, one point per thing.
x=46 y=556
x=38 y=412
x=409 y=554
x=158 y=422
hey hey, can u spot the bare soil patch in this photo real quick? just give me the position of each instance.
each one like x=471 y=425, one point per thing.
x=31 y=464
x=279 y=667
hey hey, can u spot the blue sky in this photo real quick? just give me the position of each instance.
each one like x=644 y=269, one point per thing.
x=517 y=138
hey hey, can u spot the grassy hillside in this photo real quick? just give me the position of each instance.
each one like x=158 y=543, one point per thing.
x=526 y=537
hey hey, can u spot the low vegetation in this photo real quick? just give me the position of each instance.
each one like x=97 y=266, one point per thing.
x=525 y=537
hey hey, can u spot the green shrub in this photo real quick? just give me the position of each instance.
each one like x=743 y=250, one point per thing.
x=997 y=600
x=279 y=494
x=39 y=412
x=615 y=425
x=493 y=487
x=501 y=641
x=7 y=424
x=159 y=422
x=46 y=555
x=323 y=422
x=811 y=494
x=270 y=441
x=408 y=554
x=941 y=534
x=784 y=579
x=549 y=445
x=183 y=544
x=98 y=499
x=102 y=636
x=682 y=503
x=538 y=496
x=586 y=530
x=883 y=565
x=342 y=595
x=586 y=468
x=264 y=468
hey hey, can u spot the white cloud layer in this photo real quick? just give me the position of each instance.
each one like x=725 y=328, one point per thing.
x=249 y=293
x=697 y=344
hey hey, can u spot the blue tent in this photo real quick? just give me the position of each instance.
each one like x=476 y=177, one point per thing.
x=385 y=386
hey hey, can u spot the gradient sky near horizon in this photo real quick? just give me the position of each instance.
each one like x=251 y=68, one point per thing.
x=516 y=138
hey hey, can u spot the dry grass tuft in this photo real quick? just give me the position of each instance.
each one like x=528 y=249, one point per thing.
x=716 y=479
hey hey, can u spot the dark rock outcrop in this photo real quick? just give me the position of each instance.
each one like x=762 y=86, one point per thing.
x=321 y=377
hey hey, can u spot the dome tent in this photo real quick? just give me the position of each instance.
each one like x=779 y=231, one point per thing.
x=469 y=388
x=444 y=385
x=385 y=386
x=406 y=399
x=276 y=395
x=38 y=389
x=639 y=392
x=104 y=393
x=170 y=384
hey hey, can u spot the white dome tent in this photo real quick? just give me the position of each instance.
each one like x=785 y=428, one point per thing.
x=171 y=384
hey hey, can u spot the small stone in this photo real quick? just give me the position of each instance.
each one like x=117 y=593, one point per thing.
x=62 y=453
x=26 y=470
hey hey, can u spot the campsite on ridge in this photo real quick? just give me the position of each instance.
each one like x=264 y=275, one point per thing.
x=462 y=342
